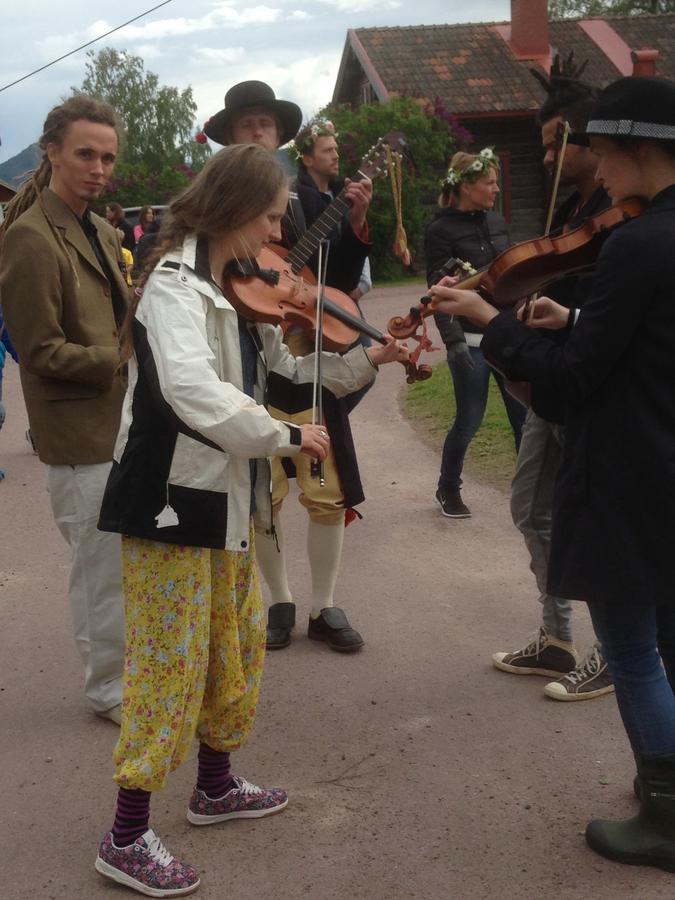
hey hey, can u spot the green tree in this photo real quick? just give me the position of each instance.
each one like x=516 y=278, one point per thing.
x=430 y=140
x=565 y=9
x=135 y=184
x=159 y=121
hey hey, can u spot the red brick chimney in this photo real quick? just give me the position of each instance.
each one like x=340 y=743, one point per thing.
x=529 y=29
x=644 y=61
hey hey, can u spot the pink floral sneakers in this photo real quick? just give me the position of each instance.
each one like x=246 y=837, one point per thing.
x=243 y=801
x=146 y=866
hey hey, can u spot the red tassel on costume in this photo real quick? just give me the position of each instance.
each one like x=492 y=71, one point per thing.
x=351 y=514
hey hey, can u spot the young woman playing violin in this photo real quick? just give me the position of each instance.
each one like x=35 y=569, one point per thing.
x=614 y=508
x=467 y=227
x=191 y=467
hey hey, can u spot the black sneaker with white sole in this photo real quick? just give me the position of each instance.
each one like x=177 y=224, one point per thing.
x=542 y=655
x=452 y=505
x=590 y=679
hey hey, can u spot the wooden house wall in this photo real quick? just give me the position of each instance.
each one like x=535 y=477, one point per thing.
x=519 y=141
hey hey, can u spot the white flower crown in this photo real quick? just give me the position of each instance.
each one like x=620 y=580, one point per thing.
x=484 y=161
x=319 y=128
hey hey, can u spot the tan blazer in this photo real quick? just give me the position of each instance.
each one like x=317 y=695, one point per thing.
x=64 y=332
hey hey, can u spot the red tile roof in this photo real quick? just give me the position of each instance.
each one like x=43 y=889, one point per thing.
x=471 y=67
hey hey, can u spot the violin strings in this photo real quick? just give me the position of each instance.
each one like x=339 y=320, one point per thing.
x=247 y=247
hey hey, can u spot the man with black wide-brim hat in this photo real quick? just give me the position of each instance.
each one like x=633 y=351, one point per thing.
x=279 y=120
x=252 y=114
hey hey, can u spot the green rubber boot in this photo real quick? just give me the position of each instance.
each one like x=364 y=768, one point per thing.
x=637 y=787
x=649 y=838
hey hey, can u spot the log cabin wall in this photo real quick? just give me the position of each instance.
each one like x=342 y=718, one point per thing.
x=518 y=143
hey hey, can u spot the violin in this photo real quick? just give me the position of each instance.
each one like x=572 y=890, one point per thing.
x=278 y=287
x=528 y=267
x=268 y=290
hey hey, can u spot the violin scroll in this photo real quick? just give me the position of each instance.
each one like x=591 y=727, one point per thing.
x=417 y=373
x=402 y=327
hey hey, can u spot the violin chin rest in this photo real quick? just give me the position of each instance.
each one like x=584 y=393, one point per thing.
x=269 y=276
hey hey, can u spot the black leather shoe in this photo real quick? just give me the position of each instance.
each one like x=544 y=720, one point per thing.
x=333 y=627
x=280 y=622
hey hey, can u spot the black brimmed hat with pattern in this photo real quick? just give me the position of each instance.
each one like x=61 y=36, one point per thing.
x=635 y=107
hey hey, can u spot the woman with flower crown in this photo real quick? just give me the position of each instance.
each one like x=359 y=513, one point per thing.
x=466 y=228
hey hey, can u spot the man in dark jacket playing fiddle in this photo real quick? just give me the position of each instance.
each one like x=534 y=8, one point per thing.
x=552 y=652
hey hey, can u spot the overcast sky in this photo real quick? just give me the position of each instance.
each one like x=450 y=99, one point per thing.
x=294 y=45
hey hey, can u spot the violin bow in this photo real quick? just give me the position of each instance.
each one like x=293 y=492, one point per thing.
x=317 y=466
x=561 y=146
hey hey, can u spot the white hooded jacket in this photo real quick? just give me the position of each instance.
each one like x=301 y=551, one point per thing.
x=188 y=431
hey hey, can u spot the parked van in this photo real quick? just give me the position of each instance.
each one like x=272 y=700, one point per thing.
x=131 y=212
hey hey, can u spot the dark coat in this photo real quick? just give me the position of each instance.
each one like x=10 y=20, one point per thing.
x=346 y=257
x=347 y=253
x=570 y=290
x=614 y=506
x=473 y=237
x=128 y=241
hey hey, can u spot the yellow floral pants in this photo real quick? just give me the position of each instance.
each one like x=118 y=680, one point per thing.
x=195 y=644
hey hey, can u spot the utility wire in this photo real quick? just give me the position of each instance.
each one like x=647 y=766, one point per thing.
x=88 y=44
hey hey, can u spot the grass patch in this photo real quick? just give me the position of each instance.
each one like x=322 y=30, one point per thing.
x=491 y=455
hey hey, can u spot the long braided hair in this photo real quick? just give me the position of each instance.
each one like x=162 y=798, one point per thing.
x=74 y=109
x=235 y=186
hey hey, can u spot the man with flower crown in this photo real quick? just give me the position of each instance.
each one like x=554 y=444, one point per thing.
x=317 y=184
x=252 y=114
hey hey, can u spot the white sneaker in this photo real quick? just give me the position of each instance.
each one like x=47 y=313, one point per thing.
x=114 y=714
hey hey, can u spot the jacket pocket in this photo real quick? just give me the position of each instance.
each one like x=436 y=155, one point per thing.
x=196 y=465
x=68 y=390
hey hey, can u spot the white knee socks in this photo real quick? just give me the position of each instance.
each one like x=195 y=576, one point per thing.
x=272 y=564
x=324 y=549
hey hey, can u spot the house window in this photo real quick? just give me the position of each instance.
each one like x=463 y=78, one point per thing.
x=367 y=94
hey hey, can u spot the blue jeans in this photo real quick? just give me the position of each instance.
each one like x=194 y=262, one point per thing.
x=635 y=641
x=471 y=392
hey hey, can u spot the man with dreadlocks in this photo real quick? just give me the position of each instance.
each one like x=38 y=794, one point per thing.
x=552 y=651
x=64 y=297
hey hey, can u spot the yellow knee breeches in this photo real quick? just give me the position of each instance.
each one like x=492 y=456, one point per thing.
x=195 y=639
